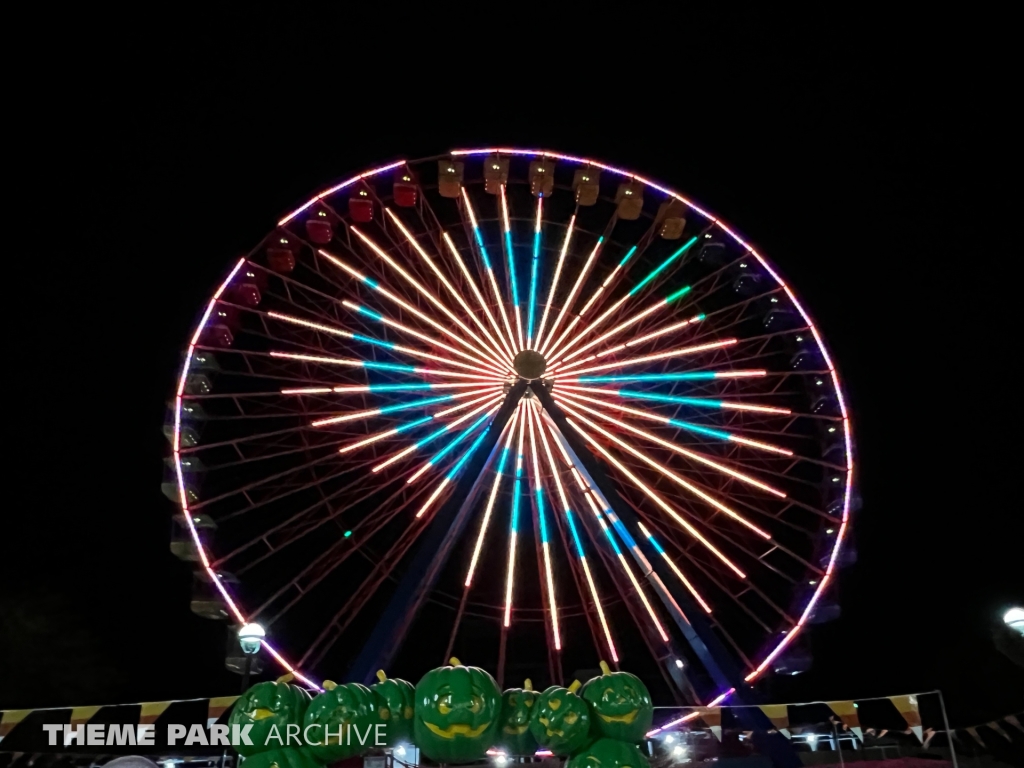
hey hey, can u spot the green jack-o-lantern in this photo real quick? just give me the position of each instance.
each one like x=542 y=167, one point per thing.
x=456 y=713
x=621 y=705
x=562 y=720
x=396 y=702
x=517 y=705
x=342 y=720
x=264 y=706
x=609 y=753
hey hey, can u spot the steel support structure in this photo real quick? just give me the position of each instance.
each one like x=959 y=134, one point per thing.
x=447 y=525
x=688 y=616
x=444 y=530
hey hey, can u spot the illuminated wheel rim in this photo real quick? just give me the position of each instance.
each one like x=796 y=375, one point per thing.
x=367 y=364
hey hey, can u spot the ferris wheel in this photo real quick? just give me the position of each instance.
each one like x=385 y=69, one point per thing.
x=519 y=406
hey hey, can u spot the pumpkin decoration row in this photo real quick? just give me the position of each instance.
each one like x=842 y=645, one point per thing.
x=335 y=712
x=454 y=715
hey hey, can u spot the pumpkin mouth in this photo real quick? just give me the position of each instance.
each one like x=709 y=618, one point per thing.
x=459 y=729
x=553 y=732
x=629 y=717
x=262 y=713
x=516 y=730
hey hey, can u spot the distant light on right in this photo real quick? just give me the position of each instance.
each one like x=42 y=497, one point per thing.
x=1014 y=619
x=678 y=750
x=679 y=663
x=250 y=637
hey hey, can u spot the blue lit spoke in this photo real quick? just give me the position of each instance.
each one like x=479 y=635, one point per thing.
x=516 y=493
x=539 y=493
x=369 y=313
x=664 y=265
x=413 y=424
x=533 y=279
x=575 y=534
x=393 y=367
x=512 y=269
x=415 y=404
x=371 y=340
x=481 y=246
x=400 y=387
x=696 y=402
x=459 y=464
x=458 y=439
x=716 y=433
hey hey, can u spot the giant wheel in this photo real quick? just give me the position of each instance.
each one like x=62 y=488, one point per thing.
x=522 y=406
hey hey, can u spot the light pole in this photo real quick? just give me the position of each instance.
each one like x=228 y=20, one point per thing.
x=1014 y=619
x=250 y=638
x=1008 y=635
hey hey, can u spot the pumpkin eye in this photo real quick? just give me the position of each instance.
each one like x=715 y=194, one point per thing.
x=529 y=702
x=477 y=704
x=444 y=706
x=570 y=718
x=512 y=700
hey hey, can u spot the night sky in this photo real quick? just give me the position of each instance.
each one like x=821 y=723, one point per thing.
x=875 y=168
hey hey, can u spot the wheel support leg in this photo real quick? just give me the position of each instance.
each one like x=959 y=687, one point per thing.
x=435 y=546
x=687 y=615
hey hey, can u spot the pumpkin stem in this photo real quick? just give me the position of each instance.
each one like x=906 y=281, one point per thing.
x=605 y=669
x=381 y=676
x=328 y=685
x=575 y=686
x=528 y=684
x=285 y=678
x=454 y=662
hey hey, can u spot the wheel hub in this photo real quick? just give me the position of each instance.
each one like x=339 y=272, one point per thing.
x=530 y=364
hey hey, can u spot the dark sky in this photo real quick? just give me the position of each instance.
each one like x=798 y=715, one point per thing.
x=871 y=161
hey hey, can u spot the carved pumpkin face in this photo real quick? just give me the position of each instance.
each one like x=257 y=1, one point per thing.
x=517 y=705
x=395 y=700
x=265 y=705
x=456 y=713
x=334 y=710
x=621 y=705
x=562 y=722
x=609 y=753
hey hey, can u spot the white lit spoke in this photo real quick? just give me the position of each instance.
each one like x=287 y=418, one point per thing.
x=596 y=504
x=554 y=281
x=567 y=511
x=631 y=343
x=488 y=268
x=666 y=472
x=450 y=288
x=429 y=295
x=411 y=309
x=656 y=498
x=681 y=352
x=478 y=294
x=567 y=304
x=498 y=474
x=698 y=457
